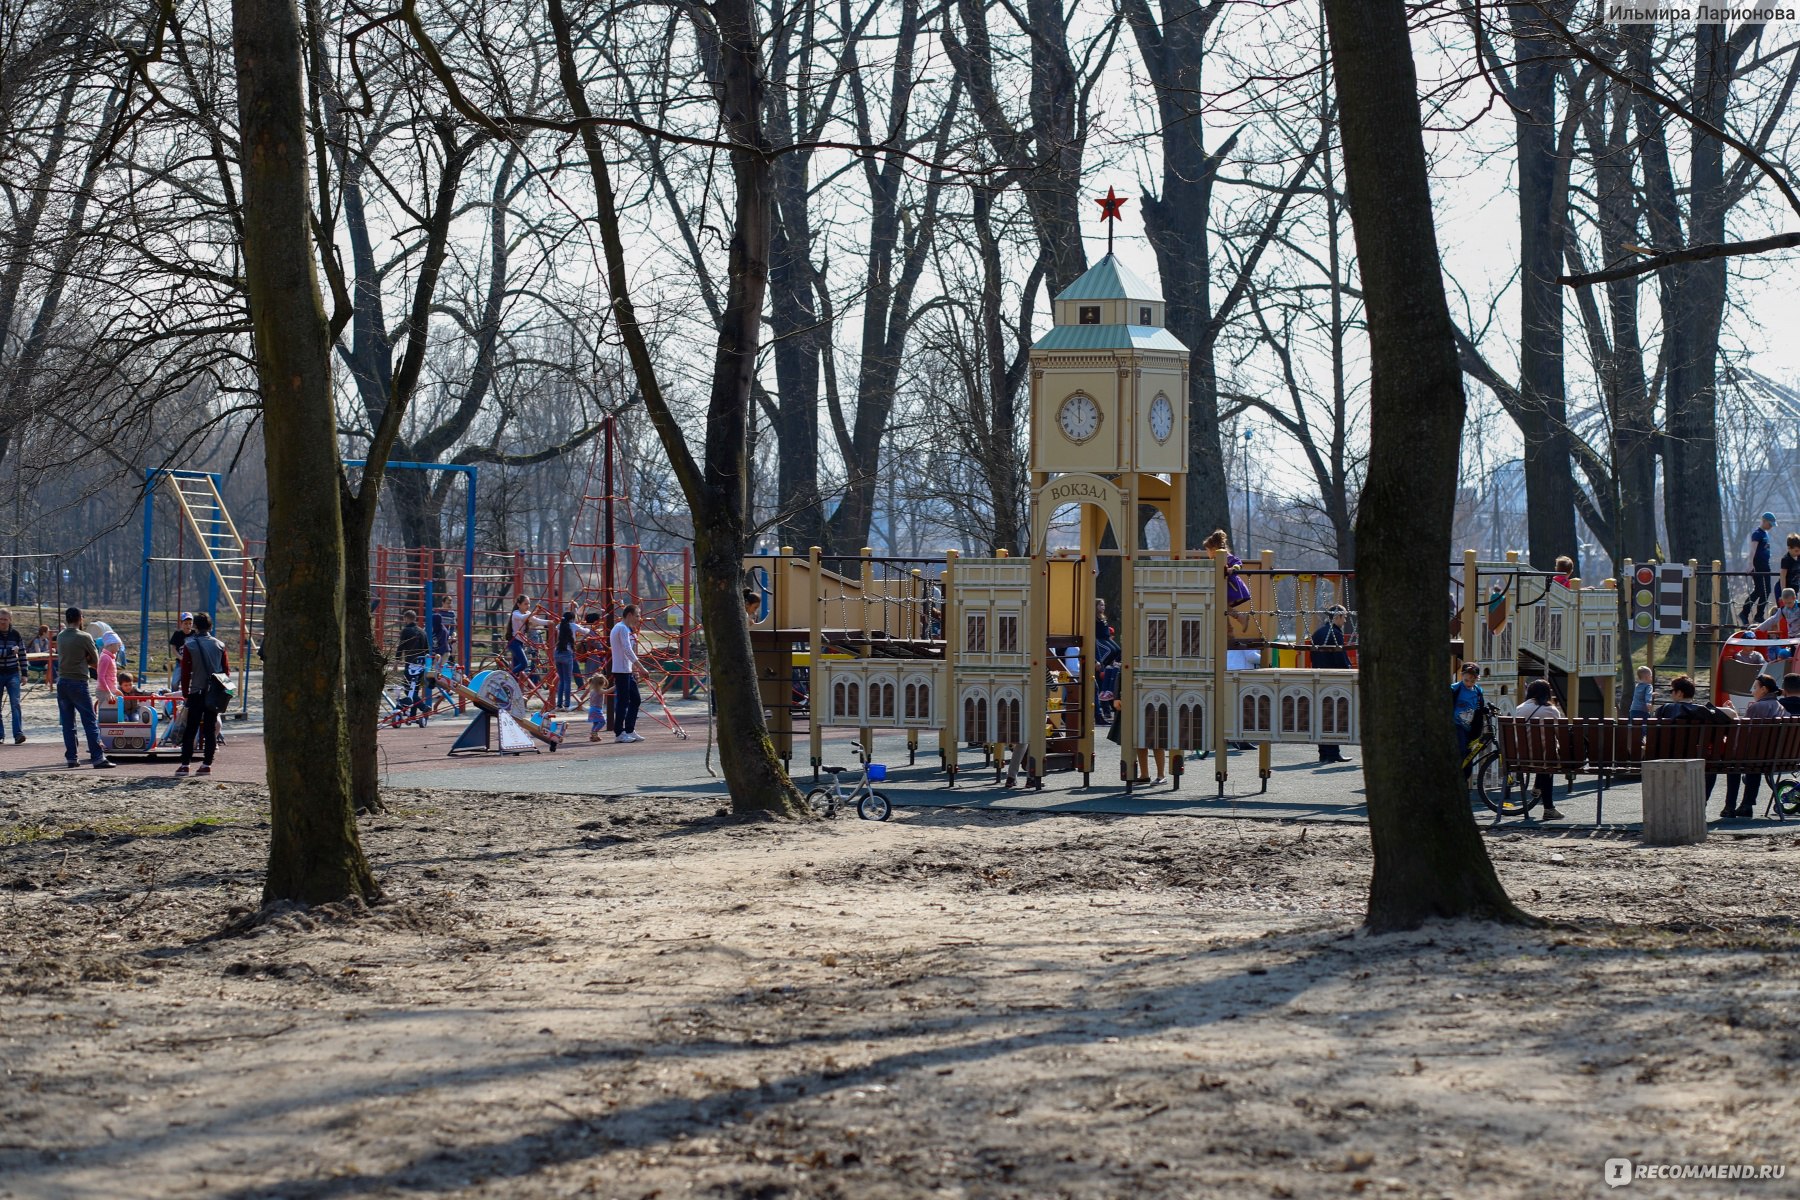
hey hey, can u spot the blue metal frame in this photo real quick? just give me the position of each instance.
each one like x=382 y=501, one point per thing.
x=152 y=475
x=464 y=622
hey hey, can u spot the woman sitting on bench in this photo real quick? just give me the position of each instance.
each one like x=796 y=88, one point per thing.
x=1540 y=705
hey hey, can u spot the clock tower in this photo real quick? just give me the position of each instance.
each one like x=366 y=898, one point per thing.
x=1108 y=432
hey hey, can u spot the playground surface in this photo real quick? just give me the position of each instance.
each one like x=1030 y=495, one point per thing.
x=572 y=996
x=1300 y=789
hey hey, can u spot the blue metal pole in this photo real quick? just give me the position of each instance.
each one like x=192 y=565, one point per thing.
x=468 y=596
x=144 y=583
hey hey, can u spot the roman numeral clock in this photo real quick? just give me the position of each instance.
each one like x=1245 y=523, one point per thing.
x=1109 y=431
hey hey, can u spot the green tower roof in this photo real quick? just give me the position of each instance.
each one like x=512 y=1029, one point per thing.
x=1109 y=279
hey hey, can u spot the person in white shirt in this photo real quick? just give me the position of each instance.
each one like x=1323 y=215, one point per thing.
x=1540 y=705
x=626 y=668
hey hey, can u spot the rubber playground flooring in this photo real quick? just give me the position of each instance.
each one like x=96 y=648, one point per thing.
x=1300 y=788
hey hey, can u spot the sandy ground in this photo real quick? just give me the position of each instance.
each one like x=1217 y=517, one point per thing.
x=574 y=996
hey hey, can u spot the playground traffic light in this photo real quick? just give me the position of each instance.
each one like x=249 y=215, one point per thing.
x=1659 y=597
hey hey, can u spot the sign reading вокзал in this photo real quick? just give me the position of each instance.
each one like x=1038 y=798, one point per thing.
x=1699 y=14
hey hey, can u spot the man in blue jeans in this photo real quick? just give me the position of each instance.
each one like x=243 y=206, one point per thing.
x=12 y=670
x=76 y=657
x=625 y=669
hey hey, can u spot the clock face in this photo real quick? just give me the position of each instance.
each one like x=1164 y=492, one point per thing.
x=1162 y=418
x=1079 y=417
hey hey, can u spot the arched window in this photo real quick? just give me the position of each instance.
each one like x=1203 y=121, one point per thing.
x=924 y=702
x=1190 y=726
x=975 y=719
x=1287 y=714
x=839 y=703
x=853 y=699
x=1303 y=711
x=1248 y=722
x=910 y=698
x=1327 y=716
x=1007 y=726
x=1343 y=711
x=1157 y=725
x=1262 y=713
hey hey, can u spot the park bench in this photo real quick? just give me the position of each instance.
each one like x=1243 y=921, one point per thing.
x=1610 y=747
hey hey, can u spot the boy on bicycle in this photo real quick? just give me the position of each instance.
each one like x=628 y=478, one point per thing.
x=1466 y=707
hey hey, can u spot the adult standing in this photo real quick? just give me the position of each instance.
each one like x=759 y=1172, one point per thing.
x=12 y=670
x=177 y=642
x=412 y=650
x=626 y=667
x=1331 y=651
x=76 y=658
x=202 y=658
x=1762 y=576
x=568 y=637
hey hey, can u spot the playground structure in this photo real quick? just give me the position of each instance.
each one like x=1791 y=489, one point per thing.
x=596 y=572
x=499 y=705
x=1000 y=652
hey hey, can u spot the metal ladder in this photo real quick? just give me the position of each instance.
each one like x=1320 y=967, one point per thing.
x=221 y=546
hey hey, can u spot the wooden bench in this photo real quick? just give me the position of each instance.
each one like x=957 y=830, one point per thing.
x=1608 y=747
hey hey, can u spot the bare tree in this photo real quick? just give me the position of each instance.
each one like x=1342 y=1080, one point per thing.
x=314 y=853
x=1429 y=857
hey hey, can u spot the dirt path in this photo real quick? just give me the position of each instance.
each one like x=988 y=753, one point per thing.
x=571 y=996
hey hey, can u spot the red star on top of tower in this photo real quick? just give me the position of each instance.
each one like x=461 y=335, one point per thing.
x=1111 y=205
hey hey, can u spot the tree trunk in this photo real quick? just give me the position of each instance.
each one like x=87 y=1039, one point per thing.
x=365 y=673
x=713 y=486
x=798 y=339
x=314 y=853
x=1429 y=858
x=1549 y=483
x=1177 y=222
x=1620 y=351
x=418 y=507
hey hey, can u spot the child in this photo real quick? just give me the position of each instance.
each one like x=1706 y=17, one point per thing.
x=1237 y=591
x=109 y=679
x=1641 y=694
x=131 y=701
x=597 y=696
x=1784 y=622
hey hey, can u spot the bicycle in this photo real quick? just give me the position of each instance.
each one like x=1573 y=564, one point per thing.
x=1504 y=793
x=871 y=805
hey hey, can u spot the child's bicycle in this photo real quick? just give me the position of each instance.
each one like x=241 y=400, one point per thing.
x=1784 y=800
x=1504 y=793
x=870 y=804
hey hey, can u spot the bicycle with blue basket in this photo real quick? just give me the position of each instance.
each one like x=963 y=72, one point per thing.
x=870 y=805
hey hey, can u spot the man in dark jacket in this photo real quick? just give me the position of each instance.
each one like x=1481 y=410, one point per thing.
x=412 y=651
x=12 y=669
x=1330 y=651
x=1683 y=706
